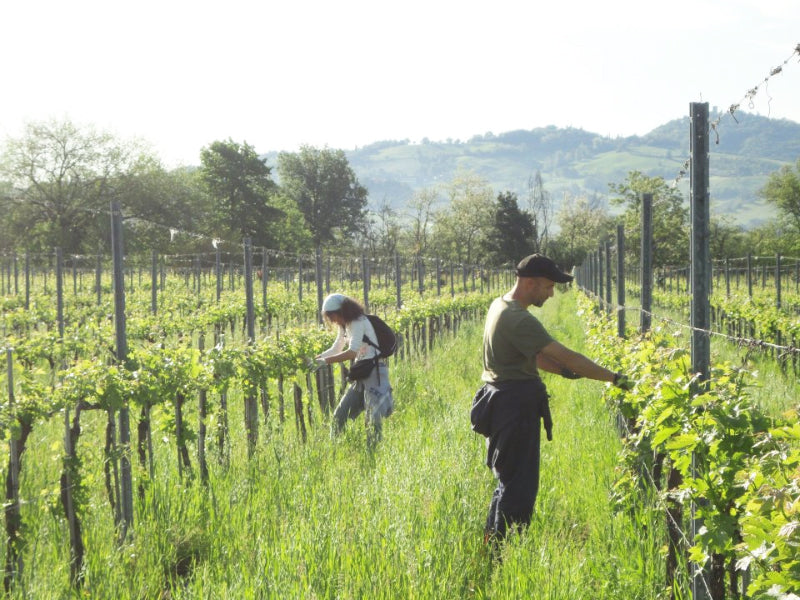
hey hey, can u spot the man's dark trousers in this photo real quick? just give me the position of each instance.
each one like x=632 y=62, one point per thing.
x=514 y=455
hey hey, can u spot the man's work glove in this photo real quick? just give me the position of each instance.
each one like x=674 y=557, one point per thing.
x=622 y=382
x=569 y=374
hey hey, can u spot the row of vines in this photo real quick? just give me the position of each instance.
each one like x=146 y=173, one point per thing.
x=708 y=446
x=753 y=320
x=189 y=354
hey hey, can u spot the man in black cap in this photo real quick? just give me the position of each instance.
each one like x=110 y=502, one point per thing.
x=508 y=408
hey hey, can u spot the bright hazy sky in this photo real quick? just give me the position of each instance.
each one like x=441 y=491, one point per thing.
x=346 y=73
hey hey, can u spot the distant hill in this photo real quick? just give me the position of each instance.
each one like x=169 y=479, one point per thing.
x=577 y=162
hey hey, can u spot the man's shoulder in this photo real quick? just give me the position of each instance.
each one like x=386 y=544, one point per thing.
x=510 y=308
x=506 y=304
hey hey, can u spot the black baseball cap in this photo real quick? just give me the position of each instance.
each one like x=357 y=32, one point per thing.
x=538 y=265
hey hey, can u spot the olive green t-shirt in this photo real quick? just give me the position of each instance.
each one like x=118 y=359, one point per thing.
x=512 y=337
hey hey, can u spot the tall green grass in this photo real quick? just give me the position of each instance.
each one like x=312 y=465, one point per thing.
x=329 y=519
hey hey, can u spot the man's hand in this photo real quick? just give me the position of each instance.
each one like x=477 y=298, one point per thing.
x=622 y=382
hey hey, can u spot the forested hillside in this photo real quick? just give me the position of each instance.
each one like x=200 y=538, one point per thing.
x=495 y=196
x=577 y=162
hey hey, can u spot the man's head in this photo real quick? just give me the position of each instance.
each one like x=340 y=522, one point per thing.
x=536 y=278
x=538 y=265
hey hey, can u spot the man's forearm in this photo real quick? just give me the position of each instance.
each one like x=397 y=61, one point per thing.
x=588 y=368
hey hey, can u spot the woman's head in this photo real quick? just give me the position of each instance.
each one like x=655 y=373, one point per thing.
x=341 y=309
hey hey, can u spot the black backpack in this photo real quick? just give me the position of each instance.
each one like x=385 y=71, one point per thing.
x=387 y=340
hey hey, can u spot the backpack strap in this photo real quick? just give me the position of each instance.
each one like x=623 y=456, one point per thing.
x=366 y=340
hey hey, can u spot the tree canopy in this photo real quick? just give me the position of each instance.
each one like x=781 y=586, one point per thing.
x=584 y=226
x=240 y=185
x=61 y=178
x=461 y=227
x=540 y=207
x=422 y=214
x=670 y=217
x=783 y=190
x=325 y=189
x=512 y=233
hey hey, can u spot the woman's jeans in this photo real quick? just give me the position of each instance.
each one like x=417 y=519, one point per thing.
x=372 y=396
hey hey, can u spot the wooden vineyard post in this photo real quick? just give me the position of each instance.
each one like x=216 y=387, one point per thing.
x=222 y=428
x=126 y=482
x=779 y=337
x=98 y=278
x=600 y=277
x=621 y=280
x=365 y=275
x=218 y=271
x=646 y=262
x=250 y=402
x=300 y=279
x=265 y=321
x=328 y=275
x=13 y=567
x=417 y=271
x=398 y=280
x=438 y=276
x=281 y=400
x=27 y=281
x=298 y=411
x=727 y=278
x=452 y=283
x=202 y=408
x=607 y=251
x=16 y=273
x=67 y=476
x=318 y=277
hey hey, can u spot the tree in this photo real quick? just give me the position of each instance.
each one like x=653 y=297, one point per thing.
x=382 y=231
x=783 y=190
x=290 y=231
x=670 y=218
x=777 y=236
x=62 y=180
x=462 y=226
x=7 y=226
x=156 y=203
x=583 y=227
x=511 y=236
x=325 y=189
x=726 y=240
x=540 y=207
x=422 y=217
x=240 y=184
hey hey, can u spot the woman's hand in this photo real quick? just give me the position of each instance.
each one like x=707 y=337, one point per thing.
x=316 y=362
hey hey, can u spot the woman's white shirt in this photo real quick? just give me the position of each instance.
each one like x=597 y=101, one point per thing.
x=354 y=331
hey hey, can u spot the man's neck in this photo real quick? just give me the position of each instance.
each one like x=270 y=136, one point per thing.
x=516 y=295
